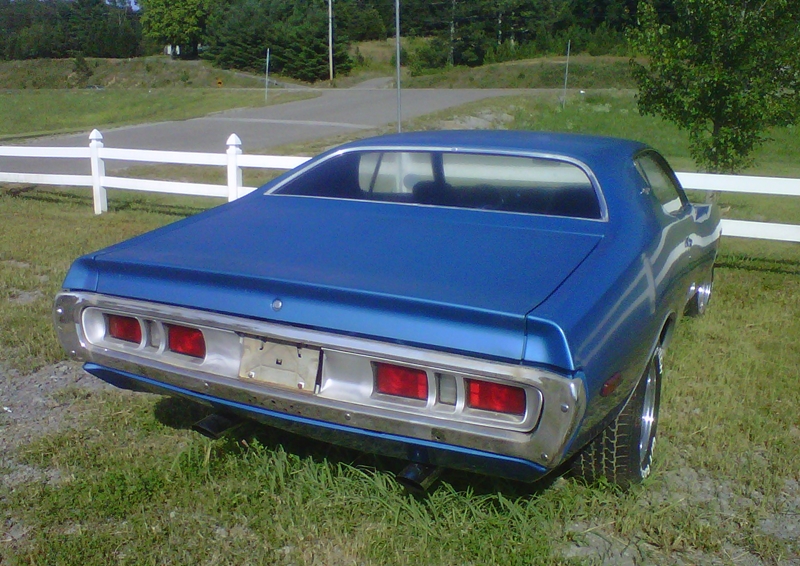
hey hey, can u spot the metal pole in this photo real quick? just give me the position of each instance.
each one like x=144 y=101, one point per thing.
x=266 y=80
x=397 y=58
x=330 y=37
x=566 y=75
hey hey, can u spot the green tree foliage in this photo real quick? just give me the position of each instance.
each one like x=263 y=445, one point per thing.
x=98 y=29
x=723 y=71
x=62 y=28
x=358 y=20
x=176 y=22
x=473 y=32
x=296 y=32
x=590 y=14
x=237 y=32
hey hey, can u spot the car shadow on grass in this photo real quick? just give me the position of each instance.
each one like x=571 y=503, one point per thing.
x=181 y=414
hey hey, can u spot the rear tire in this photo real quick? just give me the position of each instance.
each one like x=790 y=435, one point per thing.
x=623 y=452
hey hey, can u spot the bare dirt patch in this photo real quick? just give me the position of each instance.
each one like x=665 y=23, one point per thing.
x=19 y=297
x=32 y=406
x=717 y=502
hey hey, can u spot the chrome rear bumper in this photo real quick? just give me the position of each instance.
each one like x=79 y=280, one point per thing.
x=342 y=408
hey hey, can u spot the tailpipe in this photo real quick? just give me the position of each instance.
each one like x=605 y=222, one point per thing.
x=418 y=478
x=215 y=425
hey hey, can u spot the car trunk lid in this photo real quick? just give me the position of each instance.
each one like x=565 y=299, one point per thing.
x=461 y=280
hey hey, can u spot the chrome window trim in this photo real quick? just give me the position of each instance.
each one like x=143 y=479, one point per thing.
x=445 y=149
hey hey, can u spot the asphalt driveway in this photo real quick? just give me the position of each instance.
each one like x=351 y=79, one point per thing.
x=365 y=106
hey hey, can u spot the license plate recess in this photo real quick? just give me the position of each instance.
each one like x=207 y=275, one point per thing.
x=283 y=365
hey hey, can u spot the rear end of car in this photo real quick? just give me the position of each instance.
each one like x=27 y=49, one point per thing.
x=379 y=299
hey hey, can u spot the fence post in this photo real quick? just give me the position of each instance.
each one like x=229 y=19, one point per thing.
x=98 y=172
x=234 y=171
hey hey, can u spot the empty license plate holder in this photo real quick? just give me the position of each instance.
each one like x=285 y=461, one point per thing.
x=284 y=365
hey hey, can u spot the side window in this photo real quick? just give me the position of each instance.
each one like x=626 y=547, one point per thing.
x=469 y=170
x=531 y=185
x=393 y=172
x=662 y=186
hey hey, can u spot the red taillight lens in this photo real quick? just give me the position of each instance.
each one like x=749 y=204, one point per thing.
x=491 y=396
x=401 y=381
x=611 y=385
x=124 y=328
x=187 y=341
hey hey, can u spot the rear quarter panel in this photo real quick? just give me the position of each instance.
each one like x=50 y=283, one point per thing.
x=615 y=306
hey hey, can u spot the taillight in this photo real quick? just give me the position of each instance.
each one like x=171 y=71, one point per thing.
x=401 y=381
x=491 y=396
x=611 y=385
x=124 y=328
x=185 y=340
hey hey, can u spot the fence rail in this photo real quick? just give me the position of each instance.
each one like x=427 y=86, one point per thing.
x=234 y=160
x=752 y=185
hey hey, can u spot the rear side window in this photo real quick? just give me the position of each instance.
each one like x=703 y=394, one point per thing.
x=662 y=184
x=393 y=172
x=454 y=179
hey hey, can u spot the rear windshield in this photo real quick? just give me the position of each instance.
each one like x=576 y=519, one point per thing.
x=489 y=182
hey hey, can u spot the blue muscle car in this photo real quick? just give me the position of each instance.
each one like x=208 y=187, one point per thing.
x=489 y=301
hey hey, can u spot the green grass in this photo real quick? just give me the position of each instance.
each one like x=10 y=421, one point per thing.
x=137 y=487
x=43 y=231
x=266 y=504
x=141 y=72
x=611 y=114
x=585 y=72
x=38 y=112
x=45 y=96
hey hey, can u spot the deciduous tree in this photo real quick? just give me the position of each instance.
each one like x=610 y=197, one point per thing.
x=175 y=22
x=723 y=71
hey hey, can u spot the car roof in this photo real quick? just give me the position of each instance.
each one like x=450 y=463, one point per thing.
x=585 y=148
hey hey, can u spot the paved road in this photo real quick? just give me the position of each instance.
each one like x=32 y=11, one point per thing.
x=336 y=111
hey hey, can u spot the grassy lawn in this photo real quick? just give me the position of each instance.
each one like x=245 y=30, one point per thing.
x=156 y=71
x=585 y=72
x=33 y=113
x=126 y=482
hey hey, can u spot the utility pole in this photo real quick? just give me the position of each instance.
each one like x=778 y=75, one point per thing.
x=330 y=38
x=450 y=58
x=266 y=81
x=397 y=58
x=566 y=76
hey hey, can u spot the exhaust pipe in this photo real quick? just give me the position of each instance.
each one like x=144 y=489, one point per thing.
x=418 y=478
x=215 y=425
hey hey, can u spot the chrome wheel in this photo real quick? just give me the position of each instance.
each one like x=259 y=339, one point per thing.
x=648 y=419
x=623 y=452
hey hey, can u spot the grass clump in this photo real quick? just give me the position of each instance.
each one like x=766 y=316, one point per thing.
x=164 y=494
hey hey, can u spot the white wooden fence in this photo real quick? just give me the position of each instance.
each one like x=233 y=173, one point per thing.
x=234 y=160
